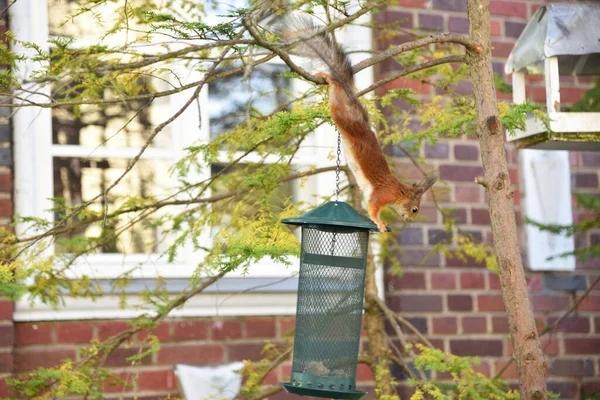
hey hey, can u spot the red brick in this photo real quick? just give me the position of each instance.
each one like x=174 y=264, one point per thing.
x=549 y=303
x=286 y=325
x=398 y=19
x=496 y=27
x=467 y=194
x=226 y=330
x=509 y=8
x=582 y=346
x=460 y=260
x=480 y=216
x=6 y=363
x=74 y=332
x=27 y=360
x=472 y=280
x=438 y=150
x=245 y=351
x=7 y=335
x=534 y=282
x=590 y=387
x=364 y=373
x=500 y=325
x=156 y=380
x=444 y=325
x=6 y=208
x=408 y=280
x=189 y=330
x=501 y=49
x=119 y=357
x=590 y=303
x=411 y=3
x=474 y=325
x=459 y=173
x=571 y=95
x=190 y=354
x=450 y=5
x=458 y=25
x=490 y=302
x=431 y=22
x=28 y=333
x=476 y=347
x=6 y=183
x=417 y=302
x=494 y=281
x=429 y=215
x=460 y=302
x=418 y=257
x=569 y=367
x=510 y=373
x=586 y=180
x=564 y=390
x=550 y=345
x=108 y=329
x=5 y=390
x=590 y=159
x=572 y=324
x=162 y=332
x=466 y=152
x=120 y=382
x=443 y=280
x=260 y=328
x=6 y=309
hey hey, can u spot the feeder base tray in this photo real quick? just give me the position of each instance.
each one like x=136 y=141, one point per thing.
x=328 y=394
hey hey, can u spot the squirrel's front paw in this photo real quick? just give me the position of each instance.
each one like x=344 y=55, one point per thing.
x=382 y=227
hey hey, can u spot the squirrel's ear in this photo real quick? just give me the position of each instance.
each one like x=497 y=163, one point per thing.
x=428 y=182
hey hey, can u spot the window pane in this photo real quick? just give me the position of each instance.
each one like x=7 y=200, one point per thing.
x=126 y=124
x=78 y=180
x=233 y=99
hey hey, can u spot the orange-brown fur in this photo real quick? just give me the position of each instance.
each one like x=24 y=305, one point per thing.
x=352 y=121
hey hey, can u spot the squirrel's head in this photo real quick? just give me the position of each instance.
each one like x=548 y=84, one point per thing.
x=408 y=206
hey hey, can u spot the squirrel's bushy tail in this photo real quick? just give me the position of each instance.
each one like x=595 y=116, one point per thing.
x=308 y=40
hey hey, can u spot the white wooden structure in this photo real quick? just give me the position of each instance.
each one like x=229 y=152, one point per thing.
x=559 y=39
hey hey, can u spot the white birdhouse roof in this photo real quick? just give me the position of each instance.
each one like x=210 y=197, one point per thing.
x=569 y=31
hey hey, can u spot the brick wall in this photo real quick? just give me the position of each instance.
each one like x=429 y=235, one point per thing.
x=458 y=304
x=183 y=341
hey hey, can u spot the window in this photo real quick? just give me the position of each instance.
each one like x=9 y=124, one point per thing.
x=59 y=156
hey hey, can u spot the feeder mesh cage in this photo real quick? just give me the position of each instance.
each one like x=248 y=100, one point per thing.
x=330 y=302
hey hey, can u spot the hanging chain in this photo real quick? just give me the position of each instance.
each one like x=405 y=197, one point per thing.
x=337 y=167
x=337 y=185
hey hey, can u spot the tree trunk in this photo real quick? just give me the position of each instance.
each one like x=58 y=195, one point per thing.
x=527 y=350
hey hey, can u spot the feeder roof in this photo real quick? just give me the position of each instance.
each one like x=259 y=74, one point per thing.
x=333 y=213
x=561 y=30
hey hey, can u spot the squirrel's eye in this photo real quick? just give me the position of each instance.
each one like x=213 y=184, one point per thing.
x=415 y=209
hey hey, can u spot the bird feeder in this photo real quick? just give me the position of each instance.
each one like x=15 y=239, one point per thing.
x=560 y=39
x=333 y=259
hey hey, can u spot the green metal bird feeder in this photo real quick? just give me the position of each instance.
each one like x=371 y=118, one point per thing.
x=333 y=259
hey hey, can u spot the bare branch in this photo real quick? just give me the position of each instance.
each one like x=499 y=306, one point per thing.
x=415 y=44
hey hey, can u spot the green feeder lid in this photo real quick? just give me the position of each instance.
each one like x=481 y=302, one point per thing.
x=334 y=213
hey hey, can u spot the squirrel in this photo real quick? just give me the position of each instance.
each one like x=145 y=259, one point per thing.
x=365 y=156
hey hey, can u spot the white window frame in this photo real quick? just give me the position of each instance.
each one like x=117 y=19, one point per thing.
x=32 y=133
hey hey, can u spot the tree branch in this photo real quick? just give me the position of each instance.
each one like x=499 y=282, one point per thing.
x=415 y=44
